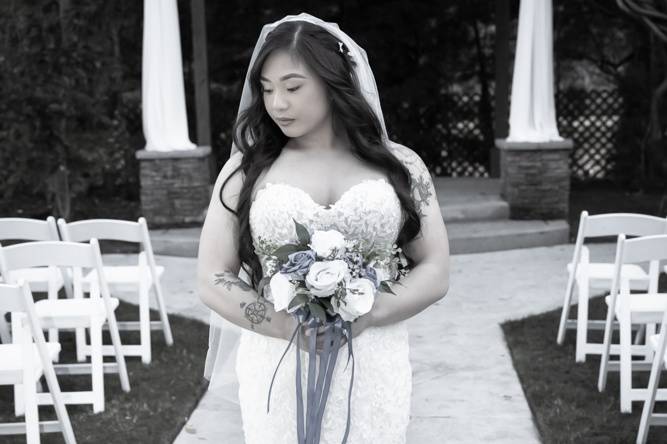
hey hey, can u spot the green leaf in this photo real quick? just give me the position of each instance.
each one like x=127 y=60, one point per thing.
x=299 y=299
x=327 y=304
x=384 y=286
x=284 y=251
x=317 y=311
x=302 y=233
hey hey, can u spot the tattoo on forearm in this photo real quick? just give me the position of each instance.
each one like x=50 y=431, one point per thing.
x=255 y=312
x=230 y=280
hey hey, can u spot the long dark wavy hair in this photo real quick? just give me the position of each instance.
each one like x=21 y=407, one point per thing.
x=351 y=113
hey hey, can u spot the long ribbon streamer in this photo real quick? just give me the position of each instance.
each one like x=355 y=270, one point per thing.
x=317 y=391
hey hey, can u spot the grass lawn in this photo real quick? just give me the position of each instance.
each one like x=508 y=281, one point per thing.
x=562 y=394
x=162 y=395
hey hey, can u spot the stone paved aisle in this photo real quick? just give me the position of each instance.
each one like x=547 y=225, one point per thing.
x=465 y=389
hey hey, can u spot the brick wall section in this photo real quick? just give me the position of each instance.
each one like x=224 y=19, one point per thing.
x=175 y=186
x=536 y=178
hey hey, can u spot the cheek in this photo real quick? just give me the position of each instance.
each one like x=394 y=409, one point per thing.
x=315 y=105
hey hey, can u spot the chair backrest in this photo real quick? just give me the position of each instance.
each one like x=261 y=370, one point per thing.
x=107 y=229
x=46 y=253
x=643 y=249
x=25 y=229
x=75 y=255
x=613 y=224
x=111 y=229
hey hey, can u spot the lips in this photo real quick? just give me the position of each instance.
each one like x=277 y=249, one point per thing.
x=284 y=122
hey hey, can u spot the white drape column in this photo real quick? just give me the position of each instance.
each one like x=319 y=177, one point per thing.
x=163 y=94
x=532 y=112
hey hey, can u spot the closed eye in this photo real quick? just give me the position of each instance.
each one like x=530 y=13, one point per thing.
x=288 y=89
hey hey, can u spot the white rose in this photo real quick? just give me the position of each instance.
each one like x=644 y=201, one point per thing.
x=358 y=303
x=324 y=276
x=282 y=291
x=326 y=243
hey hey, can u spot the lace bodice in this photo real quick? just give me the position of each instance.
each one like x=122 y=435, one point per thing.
x=369 y=211
x=380 y=404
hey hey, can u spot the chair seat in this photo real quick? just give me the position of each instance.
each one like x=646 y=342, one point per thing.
x=71 y=308
x=37 y=277
x=123 y=274
x=11 y=358
x=644 y=307
x=601 y=270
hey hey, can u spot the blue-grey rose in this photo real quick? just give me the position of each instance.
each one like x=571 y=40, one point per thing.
x=298 y=262
x=371 y=274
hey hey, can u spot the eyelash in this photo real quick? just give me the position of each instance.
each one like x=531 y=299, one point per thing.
x=288 y=89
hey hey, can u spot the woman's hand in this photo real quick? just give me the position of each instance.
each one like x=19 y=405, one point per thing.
x=290 y=323
x=358 y=326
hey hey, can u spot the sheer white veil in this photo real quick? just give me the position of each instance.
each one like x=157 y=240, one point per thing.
x=224 y=335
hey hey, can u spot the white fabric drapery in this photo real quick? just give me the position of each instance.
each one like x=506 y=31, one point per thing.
x=532 y=110
x=163 y=94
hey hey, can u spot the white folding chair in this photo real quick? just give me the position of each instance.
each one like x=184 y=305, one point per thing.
x=42 y=279
x=77 y=312
x=632 y=308
x=598 y=275
x=24 y=362
x=648 y=418
x=141 y=277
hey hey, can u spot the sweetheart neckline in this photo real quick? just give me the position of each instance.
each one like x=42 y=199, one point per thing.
x=327 y=207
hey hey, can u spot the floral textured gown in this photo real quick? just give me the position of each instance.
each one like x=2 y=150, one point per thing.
x=381 y=393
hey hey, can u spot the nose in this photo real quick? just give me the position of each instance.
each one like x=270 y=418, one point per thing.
x=278 y=101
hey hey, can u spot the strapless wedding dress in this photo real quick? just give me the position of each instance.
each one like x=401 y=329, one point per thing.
x=381 y=394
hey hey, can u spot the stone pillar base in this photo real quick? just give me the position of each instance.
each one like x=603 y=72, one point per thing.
x=175 y=186
x=536 y=178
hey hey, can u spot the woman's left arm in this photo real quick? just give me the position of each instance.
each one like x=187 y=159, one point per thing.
x=428 y=280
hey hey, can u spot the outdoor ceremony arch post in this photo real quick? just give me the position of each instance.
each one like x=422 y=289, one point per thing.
x=534 y=159
x=175 y=174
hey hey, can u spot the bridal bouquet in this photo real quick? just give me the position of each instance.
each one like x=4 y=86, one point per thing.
x=326 y=280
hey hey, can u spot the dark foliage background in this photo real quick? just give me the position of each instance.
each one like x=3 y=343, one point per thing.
x=70 y=82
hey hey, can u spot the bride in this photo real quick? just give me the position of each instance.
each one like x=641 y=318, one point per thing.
x=310 y=144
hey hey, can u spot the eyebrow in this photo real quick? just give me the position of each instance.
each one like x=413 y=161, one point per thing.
x=285 y=77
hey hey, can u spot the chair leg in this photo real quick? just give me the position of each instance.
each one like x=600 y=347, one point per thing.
x=5 y=337
x=17 y=337
x=650 y=330
x=649 y=404
x=626 y=365
x=120 y=358
x=565 y=312
x=59 y=405
x=582 y=321
x=144 y=322
x=166 y=327
x=80 y=339
x=97 y=369
x=53 y=332
x=639 y=336
x=606 y=346
x=31 y=412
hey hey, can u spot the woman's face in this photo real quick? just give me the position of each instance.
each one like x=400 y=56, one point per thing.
x=292 y=91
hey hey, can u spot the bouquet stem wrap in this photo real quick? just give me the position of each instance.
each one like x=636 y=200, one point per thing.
x=317 y=390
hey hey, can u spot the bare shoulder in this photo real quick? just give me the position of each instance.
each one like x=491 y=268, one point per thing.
x=423 y=190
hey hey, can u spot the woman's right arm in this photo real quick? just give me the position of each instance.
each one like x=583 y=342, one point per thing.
x=218 y=265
